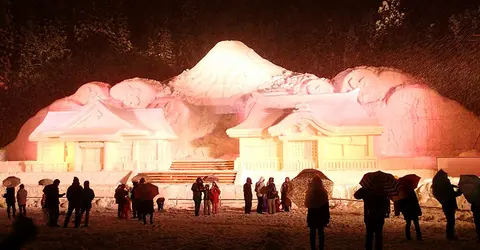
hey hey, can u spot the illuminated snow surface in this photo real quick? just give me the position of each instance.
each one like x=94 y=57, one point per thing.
x=201 y=103
x=231 y=229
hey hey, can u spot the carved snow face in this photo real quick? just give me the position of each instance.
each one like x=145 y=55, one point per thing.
x=134 y=93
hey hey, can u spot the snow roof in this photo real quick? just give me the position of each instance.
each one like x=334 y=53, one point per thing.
x=336 y=113
x=101 y=121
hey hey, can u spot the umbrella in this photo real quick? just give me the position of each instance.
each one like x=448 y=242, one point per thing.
x=146 y=191
x=45 y=182
x=470 y=187
x=380 y=183
x=300 y=184
x=211 y=178
x=442 y=189
x=137 y=178
x=409 y=181
x=11 y=182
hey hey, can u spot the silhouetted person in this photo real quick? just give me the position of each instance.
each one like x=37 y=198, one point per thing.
x=160 y=203
x=318 y=216
x=134 y=200
x=87 y=197
x=375 y=210
x=258 y=190
x=410 y=208
x=75 y=199
x=22 y=200
x=247 y=195
x=120 y=194
x=52 y=201
x=24 y=230
x=146 y=207
x=10 y=200
x=271 y=196
x=197 y=189
x=286 y=202
x=449 y=208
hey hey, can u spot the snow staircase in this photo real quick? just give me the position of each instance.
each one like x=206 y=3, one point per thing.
x=187 y=172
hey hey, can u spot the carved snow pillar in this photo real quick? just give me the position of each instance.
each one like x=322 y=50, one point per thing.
x=163 y=155
x=110 y=156
x=136 y=157
x=77 y=165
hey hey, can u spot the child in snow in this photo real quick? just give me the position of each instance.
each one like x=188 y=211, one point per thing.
x=126 y=207
x=160 y=203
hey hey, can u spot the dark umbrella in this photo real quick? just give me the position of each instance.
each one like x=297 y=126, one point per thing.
x=45 y=182
x=299 y=185
x=409 y=181
x=470 y=187
x=11 y=182
x=380 y=183
x=146 y=191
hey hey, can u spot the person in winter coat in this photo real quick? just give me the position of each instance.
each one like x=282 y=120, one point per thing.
x=45 y=211
x=271 y=196
x=318 y=216
x=286 y=202
x=134 y=200
x=22 y=200
x=120 y=194
x=197 y=189
x=215 y=197
x=445 y=193
x=207 y=200
x=258 y=190
x=52 y=201
x=10 y=200
x=75 y=199
x=375 y=209
x=247 y=195
x=87 y=197
x=410 y=208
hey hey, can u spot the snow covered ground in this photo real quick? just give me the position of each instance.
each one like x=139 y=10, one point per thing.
x=231 y=229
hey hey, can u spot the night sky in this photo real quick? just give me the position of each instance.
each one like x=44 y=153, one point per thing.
x=49 y=48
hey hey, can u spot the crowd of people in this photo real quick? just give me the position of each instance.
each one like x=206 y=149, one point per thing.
x=132 y=200
x=376 y=206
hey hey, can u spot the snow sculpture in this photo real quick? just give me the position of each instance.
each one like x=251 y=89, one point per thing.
x=417 y=120
x=202 y=103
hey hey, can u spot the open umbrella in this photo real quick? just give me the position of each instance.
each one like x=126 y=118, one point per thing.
x=470 y=187
x=45 y=182
x=299 y=185
x=137 y=178
x=409 y=181
x=146 y=191
x=211 y=178
x=380 y=183
x=11 y=182
x=442 y=188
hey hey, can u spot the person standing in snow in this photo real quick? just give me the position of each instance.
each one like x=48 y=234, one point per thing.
x=247 y=195
x=215 y=197
x=75 y=198
x=271 y=196
x=87 y=197
x=10 y=200
x=197 y=189
x=286 y=202
x=410 y=208
x=258 y=190
x=375 y=209
x=207 y=201
x=52 y=202
x=318 y=216
x=22 y=200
